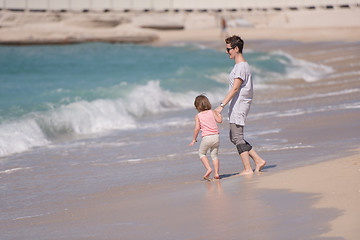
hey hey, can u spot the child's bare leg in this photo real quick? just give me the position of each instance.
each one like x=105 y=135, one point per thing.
x=259 y=162
x=246 y=161
x=216 y=168
x=206 y=163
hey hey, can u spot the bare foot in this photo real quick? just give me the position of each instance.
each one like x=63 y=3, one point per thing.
x=259 y=166
x=207 y=173
x=207 y=179
x=248 y=172
x=217 y=177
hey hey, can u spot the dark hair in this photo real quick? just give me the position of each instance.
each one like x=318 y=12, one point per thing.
x=202 y=103
x=235 y=41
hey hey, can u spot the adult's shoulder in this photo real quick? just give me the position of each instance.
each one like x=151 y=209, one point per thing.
x=242 y=65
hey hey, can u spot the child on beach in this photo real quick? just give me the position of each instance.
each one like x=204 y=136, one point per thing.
x=206 y=121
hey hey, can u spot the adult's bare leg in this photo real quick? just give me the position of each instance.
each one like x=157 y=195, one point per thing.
x=259 y=162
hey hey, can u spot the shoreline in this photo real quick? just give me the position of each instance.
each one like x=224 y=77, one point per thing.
x=167 y=37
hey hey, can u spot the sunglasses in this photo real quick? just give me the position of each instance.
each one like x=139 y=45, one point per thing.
x=228 y=49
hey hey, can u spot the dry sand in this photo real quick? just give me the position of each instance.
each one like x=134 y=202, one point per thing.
x=70 y=27
x=336 y=181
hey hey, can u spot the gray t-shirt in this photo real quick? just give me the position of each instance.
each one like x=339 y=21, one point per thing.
x=240 y=104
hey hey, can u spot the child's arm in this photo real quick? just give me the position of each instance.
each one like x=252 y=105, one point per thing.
x=217 y=116
x=196 y=131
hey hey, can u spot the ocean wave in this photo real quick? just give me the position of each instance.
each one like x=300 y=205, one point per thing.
x=287 y=67
x=91 y=117
x=277 y=66
x=306 y=70
x=20 y=136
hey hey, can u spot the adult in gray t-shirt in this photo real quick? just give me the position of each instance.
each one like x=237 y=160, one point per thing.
x=240 y=103
x=240 y=96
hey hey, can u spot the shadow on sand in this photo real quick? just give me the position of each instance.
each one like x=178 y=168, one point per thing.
x=228 y=175
x=269 y=166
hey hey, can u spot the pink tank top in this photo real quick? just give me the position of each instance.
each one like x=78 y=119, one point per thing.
x=208 y=124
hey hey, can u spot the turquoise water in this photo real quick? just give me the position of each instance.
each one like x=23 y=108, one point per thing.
x=51 y=92
x=35 y=78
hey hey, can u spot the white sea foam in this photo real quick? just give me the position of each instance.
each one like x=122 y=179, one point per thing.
x=294 y=69
x=134 y=160
x=291 y=113
x=20 y=136
x=339 y=59
x=345 y=74
x=12 y=170
x=266 y=132
x=301 y=111
x=354 y=64
x=305 y=70
x=351 y=106
x=84 y=117
x=285 y=147
x=321 y=52
x=261 y=115
x=345 y=106
x=313 y=96
x=152 y=99
x=30 y=216
x=332 y=82
x=220 y=77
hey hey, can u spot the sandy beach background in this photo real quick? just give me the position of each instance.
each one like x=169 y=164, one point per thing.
x=306 y=25
x=315 y=197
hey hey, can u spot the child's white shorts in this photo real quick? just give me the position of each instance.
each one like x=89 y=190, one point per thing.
x=210 y=142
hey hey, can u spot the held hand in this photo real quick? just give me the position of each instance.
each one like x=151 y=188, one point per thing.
x=219 y=109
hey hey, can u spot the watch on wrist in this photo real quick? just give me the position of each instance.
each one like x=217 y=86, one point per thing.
x=222 y=105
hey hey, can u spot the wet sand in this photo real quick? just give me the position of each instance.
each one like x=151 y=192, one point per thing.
x=335 y=185
x=228 y=209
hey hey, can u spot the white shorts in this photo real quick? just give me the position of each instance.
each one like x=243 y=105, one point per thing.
x=210 y=142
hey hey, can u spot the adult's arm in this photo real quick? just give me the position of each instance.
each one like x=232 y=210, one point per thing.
x=235 y=88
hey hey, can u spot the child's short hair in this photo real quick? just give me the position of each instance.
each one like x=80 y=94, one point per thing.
x=202 y=103
x=235 y=41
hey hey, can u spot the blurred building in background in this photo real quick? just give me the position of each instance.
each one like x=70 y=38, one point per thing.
x=172 y=5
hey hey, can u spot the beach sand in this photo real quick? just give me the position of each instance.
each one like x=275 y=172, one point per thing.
x=336 y=185
x=138 y=27
x=317 y=201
